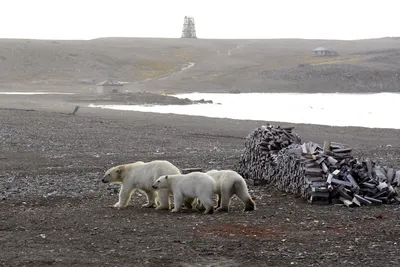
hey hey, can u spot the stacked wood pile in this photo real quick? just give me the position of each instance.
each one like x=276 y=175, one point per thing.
x=262 y=146
x=328 y=173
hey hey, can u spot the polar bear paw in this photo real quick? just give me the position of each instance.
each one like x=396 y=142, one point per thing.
x=162 y=208
x=149 y=205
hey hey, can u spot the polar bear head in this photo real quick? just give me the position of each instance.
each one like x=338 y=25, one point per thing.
x=161 y=182
x=113 y=175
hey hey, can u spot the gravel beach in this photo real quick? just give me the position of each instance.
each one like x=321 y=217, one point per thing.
x=55 y=211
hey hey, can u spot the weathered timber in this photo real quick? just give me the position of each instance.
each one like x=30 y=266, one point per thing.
x=368 y=191
x=381 y=194
x=276 y=156
x=352 y=181
x=287 y=129
x=337 y=181
x=325 y=168
x=317 y=185
x=311 y=165
x=390 y=175
x=313 y=171
x=369 y=185
x=380 y=174
x=396 y=180
x=336 y=191
x=75 y=110
x=369 y=169
x=343 y=194
x=341 y=150
x=320 y=160
x=327 y=146
x=304 y=148
x=362 y=200
x=320 y=194
x=332 y=161
x=329 y=179
x=312 y=180
x=381 y=186
x=346 y=202
x=356 y=202
x=373 y=200
x=338 y=145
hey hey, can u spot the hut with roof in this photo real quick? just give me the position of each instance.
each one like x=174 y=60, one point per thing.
x=324 y=52
x=109 y=86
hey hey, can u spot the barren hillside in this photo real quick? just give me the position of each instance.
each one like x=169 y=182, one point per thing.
x=175 y=65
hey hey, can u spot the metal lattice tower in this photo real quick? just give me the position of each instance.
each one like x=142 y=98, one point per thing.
x=189 y=30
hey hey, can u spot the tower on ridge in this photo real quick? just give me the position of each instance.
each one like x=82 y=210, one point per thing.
x=189 y=29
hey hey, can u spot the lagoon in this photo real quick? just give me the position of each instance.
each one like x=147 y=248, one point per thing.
x=377 y=110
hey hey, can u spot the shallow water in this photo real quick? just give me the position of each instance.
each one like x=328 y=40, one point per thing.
x=366 y=110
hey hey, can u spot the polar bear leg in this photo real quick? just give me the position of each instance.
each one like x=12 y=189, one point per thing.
x=151 y=199
x=199 y=205
x=207 y=202
x=244 y=196
x=188 y=203
x=219 y=200
x=226 y=194
x=163 y=198
x=124 y=197
x=178 y=200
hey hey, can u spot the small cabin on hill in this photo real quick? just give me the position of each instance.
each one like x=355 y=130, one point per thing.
x=324 y=52
x=109 y=86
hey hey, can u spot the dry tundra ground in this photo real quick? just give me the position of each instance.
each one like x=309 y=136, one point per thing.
x=55 y=211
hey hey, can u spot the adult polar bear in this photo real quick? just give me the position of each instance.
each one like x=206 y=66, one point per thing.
x=230 y=183
x=187 y=187
x=141 y=175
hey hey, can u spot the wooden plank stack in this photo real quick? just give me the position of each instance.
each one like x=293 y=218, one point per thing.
x=328 y=173
x=262 y=148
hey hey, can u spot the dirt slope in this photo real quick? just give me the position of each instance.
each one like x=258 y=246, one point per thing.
x=176 y=65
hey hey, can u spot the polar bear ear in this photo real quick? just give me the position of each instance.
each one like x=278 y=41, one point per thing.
x=166 y=176
x=118 y=171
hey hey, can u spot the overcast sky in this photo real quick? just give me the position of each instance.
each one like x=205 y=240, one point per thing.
x=88 y=19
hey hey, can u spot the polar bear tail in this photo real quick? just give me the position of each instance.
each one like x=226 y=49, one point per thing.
x=242 y=193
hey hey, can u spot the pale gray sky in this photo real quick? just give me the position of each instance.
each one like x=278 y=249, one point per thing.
x=88 y=19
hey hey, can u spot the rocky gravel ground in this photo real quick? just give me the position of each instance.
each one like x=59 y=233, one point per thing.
x=55 y=211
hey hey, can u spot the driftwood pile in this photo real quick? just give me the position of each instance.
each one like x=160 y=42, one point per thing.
x=328 y=173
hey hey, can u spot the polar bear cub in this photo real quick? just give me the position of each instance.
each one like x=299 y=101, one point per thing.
x=141 y=175
x=231 y=183
x=187 y=187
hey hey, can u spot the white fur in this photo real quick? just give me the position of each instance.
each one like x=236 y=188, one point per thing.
x=187 y=187
x=140 y=175
x=230 y=183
